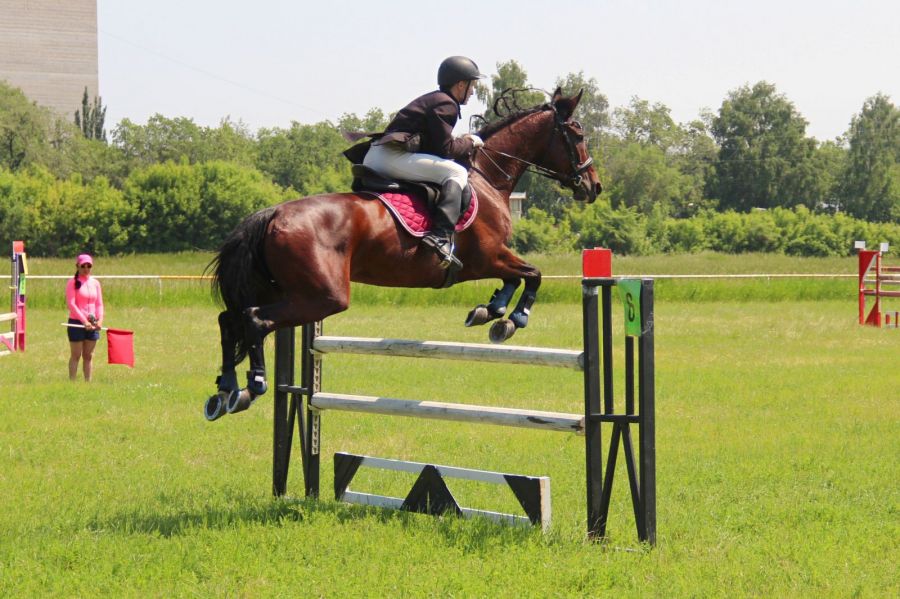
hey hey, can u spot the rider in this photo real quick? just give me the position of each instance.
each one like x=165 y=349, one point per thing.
x=418 y=145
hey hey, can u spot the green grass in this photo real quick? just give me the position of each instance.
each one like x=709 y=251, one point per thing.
x=777 y=449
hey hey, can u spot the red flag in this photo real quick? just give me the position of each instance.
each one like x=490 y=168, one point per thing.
x=120 y=347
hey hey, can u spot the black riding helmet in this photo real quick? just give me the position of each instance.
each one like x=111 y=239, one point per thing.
x=457 y=68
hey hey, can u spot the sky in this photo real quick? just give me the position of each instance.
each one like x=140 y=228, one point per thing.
x=267 y=63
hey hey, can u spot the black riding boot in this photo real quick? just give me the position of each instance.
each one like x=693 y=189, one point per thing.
x=444 y=218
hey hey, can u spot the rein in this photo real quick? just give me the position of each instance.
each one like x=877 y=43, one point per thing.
x=573 y=180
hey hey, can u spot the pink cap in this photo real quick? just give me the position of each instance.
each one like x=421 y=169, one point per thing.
x=84 y=259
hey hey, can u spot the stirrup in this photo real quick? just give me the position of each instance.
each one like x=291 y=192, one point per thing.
x=444 y=248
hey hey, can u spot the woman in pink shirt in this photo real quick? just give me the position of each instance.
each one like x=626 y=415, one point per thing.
x=84 y=299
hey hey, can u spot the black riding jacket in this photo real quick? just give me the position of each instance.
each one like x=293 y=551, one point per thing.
x=431 y=117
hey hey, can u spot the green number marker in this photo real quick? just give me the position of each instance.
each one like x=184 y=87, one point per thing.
x=630 y=292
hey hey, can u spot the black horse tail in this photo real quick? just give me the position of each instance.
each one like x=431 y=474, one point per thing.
x=240 y=275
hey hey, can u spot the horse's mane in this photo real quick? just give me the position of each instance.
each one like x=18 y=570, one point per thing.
x=492 y=128
x=508 y=102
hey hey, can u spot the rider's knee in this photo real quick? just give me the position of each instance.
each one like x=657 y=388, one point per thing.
x=456 y=173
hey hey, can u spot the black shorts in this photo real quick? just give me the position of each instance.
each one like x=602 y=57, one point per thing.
x=79 y=334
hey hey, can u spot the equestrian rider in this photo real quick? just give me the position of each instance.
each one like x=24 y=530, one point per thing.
x=418 y=145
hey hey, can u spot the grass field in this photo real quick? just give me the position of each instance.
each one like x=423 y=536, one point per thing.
x=778 y=436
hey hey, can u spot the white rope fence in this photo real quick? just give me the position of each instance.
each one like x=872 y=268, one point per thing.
x=762 y=277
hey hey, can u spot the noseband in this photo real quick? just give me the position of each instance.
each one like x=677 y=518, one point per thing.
x=578 y=169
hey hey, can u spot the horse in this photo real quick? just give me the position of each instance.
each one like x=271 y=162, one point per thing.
x=292 y=264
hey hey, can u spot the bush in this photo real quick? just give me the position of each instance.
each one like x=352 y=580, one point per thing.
x=182 y=207
x=726 y=232
x=624 y=230
x=60 y=218
x=539 y=232
x=685 y=235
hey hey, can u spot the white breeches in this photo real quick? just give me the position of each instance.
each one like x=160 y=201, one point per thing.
x=393 y=162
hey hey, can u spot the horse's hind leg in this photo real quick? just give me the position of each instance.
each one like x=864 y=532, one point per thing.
x=260 y=321
x=228 y=388
x=255 y=331
x=229 y=397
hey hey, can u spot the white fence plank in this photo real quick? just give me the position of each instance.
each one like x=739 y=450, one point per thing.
x=554 y=421
x=481 y=352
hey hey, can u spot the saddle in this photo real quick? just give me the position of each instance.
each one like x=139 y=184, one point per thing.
x=410 y=202
x=365 y=179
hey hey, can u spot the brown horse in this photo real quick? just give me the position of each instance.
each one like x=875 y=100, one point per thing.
x=292 y=264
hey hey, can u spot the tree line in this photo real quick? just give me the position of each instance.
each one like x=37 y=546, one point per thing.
x=745 y=178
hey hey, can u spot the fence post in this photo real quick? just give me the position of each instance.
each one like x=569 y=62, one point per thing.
x=284 y=416
x=647 y=422
x=592 y=438
x=313 y=384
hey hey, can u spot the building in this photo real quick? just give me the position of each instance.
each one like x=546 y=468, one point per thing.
x=516 y=202
x=48 y=49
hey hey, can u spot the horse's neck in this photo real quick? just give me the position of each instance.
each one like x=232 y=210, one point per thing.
x=501 y=172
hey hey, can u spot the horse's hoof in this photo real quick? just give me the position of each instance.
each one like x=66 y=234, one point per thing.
x=238 y=402
x=519 y=319
x=501 y=331
x=478 y=315
x=215 y=406
x=256 y=382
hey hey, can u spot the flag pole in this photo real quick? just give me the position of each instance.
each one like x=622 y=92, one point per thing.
x=80 y=326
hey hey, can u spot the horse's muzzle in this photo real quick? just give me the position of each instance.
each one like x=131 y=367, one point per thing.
x=587 y=191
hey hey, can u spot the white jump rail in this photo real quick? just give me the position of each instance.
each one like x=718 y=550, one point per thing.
x=481 y=352
x=548 y=421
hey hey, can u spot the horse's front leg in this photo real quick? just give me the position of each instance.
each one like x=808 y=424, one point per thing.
x=504 y=329
x=511 y=270
x=496 y=308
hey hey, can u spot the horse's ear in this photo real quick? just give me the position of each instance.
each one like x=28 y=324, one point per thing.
x=565 y=107
x=577 y=99
x=557 y=96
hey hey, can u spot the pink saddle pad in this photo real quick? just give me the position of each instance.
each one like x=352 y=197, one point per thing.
x=412 y=212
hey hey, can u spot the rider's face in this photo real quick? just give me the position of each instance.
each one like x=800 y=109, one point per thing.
x=463 y=90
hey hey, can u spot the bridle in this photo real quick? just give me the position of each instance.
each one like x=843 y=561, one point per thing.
x=559 y=126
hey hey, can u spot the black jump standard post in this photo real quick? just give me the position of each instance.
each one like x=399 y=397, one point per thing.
x=598 y=365
x=596 y=361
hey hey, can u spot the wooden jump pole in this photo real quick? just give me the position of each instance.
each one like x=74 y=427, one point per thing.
x=481 y=352
x=550 y=421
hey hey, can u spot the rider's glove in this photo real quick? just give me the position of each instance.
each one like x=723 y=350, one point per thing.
x=476 y=141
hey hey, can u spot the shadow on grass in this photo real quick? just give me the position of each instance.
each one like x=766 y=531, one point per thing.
x=170 y=518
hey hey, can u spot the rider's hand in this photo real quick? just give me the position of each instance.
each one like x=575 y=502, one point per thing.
x=476 y=141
